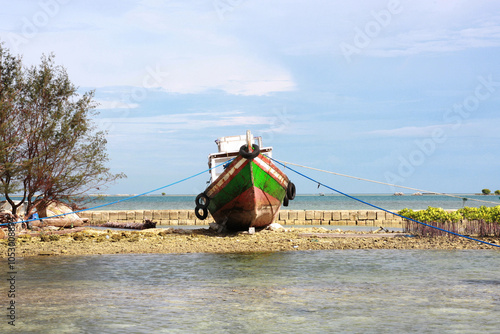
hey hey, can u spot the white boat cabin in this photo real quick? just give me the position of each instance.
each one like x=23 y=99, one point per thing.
x=229 y=148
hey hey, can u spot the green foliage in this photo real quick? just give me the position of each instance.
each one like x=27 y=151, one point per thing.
x=486 y=191
x=50 y=148
x=497 y=192
x=431 y=215
x=488 y=214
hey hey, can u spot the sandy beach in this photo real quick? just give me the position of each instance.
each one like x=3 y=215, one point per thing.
x=94 y=241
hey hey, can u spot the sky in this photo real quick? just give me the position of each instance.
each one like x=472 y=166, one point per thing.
x=401 y=92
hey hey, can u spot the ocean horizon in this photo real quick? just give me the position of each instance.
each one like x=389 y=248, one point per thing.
x=301 y=202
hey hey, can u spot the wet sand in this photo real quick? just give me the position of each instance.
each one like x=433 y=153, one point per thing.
x=93 y=241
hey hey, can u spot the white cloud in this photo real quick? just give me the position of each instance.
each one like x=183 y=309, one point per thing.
x=466 y=128
x=185 y=39
x=410 y=131
x=116 y=105
x=178 y=122
x=429 y=41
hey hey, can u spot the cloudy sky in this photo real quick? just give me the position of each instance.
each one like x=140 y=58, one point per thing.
x=405 y=92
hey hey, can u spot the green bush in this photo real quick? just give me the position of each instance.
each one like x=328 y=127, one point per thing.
x=486 y=191
x=488 y=214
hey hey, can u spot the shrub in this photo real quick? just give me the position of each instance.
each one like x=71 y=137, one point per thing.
x=488 y=214
x=486 y=191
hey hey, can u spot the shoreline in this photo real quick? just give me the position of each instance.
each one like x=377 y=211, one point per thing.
x=91 y=241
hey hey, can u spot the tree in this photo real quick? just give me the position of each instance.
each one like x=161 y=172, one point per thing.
x=50 y=149
x=486 y=191
x=497 y=192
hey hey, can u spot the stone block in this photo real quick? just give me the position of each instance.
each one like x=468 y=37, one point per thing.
x=362 y=215
x=174 y=214
x=283 y=215
x=380 y=215
x=165 y=215
x=113 y=216
x=156 y=215
x=309 y=215
x=327 y=215
x=130 y=215
x=183 y=214
x=85 y=214
x=105 y=216
x=140 y=215
x=335 y=215
x=292 y=214
x=148 y=214
x=372 y=215
x=301 y=215
x=97 y=216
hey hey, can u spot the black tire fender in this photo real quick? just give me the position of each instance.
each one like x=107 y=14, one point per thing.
x=285 y=201
x=291 y=191
x=249 y=155
x=203 y=214
x=205 y=198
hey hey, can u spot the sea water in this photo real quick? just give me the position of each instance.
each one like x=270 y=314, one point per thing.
x=303 y=202
x=336 y=291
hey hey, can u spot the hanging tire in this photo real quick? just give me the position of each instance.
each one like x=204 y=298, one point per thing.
x=285 y=201
x=291 y=191
x=249 y=155
x=205 y=198
x=203 y=214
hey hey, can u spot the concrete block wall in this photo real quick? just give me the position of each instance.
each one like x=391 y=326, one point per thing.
x=285 y=217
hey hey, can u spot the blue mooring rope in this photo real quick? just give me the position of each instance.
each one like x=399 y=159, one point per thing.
x=379 y=208
x=118 y=201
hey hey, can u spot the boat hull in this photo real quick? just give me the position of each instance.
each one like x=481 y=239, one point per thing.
x=247 y=194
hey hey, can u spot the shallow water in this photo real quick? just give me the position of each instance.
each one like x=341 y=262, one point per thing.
x=351 y=291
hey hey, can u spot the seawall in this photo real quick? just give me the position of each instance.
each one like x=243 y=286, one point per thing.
x=285 y=217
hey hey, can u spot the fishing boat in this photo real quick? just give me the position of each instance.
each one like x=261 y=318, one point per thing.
x=246 y=188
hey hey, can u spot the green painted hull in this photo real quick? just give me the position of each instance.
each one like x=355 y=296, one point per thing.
x=247 y=194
